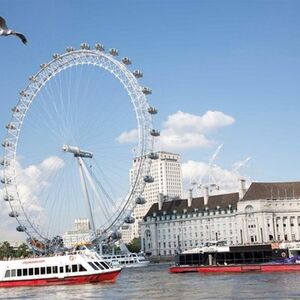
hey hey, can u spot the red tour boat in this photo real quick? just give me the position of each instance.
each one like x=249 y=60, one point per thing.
x=216 y=258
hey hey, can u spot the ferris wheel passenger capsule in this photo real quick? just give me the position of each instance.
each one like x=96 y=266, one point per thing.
x=148 y=179
x=126 y=61
x=8 y=198
x=152 y=110
x=70 y=49
x=13 y=214
x=15 y=109
x=153 y=155
x=116 y=235
x=129 y=220
x=137 y=74
x=6 y=144
x=23 y=94
x=33 y=79
x=21 y=228
x=5 y=180
x=113 y=52
x=155 y=132
x=55 y=55
x=4 y=163
x=99 y=47
x=42 y=66
x=85 y=46
x=10 y=126
x=146 y=90
x=140 y=200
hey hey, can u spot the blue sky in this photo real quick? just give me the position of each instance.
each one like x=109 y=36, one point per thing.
x=237 y=57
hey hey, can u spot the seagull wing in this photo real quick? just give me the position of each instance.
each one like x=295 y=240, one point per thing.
x=3 y=24
x=21 y=36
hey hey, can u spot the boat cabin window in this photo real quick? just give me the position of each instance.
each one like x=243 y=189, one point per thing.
x=25 y=272
x=74 y=268
x=30 y=272
x=7 y=273
x=93 y=266
x=82 y=268
x=55 y=270
x=104 y=264
x=19 y=272
x=43 y=270
x=68 y=269
x=61 y=269
x=98 y=265
x=36 y=271
x=13 y=273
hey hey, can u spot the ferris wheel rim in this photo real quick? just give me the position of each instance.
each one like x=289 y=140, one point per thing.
x=35 y=85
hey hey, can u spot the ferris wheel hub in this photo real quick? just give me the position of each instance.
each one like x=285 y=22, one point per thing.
x=77 y=151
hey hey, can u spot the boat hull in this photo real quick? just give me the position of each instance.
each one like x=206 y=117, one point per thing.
x=83 y=279
x=237 y=268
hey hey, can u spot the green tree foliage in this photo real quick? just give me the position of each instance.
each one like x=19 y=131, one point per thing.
x=6 y=250
x=22 y=251
x=134 y=245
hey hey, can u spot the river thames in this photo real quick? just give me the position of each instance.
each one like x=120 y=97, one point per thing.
x=155 y=282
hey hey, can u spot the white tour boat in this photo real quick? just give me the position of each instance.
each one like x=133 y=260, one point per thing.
x=211 y=246
x=84 y=266
x=128 y=260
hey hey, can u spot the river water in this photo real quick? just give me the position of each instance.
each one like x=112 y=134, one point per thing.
x=155 y=282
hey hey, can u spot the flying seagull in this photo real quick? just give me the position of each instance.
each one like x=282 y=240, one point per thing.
x=5 y=31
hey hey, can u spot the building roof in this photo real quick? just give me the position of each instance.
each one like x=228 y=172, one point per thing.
x=180 y=205
x=272 y=190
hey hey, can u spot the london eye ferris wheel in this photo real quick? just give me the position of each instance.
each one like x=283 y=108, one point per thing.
x=70 y=144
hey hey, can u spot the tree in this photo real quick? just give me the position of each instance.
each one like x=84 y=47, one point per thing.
x=22 y=251
x=6 y=250
x=134 y=245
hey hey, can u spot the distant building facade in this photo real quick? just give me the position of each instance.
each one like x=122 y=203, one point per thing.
x=81 y=235
x=166 y=171
x=265 y=212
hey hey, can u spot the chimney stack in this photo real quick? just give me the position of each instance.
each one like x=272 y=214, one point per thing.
x=190 y=198
x=242 y=188
x=160 y=201
x=206 y=195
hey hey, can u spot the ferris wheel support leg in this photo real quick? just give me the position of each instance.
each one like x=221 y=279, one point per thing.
x=92 y=184
x=85 y=193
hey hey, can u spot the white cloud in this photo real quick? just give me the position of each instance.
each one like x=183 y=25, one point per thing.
x=204 y=174
x=128 y=136
x=31 y=180
x=183 y=131
x=182 y=122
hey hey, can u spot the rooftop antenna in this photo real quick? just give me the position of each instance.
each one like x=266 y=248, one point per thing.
x=212 y=182
x=240 y=164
